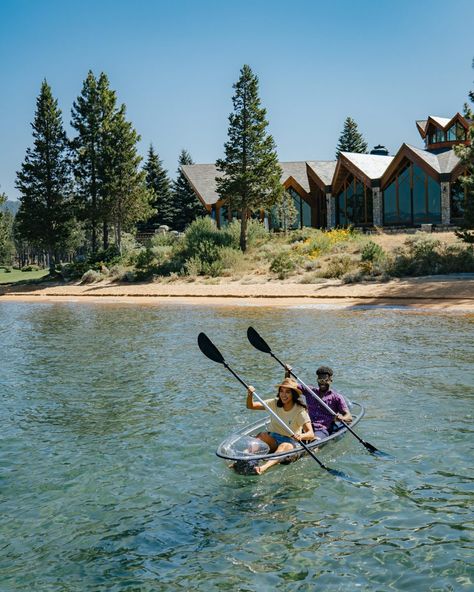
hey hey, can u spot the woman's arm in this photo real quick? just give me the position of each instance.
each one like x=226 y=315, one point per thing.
x=307 y=434
x=251 y=404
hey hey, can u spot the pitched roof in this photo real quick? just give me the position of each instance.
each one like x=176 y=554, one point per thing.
x=297 y=170
x=430 y=158
x=372 y=165
x=323 y=169
x=202 y=178
x=442 y=121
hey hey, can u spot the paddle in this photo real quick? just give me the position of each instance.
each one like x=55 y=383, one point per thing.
x=211 y=351
x=259 y=343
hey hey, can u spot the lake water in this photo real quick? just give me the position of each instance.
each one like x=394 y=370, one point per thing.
x=110 y=416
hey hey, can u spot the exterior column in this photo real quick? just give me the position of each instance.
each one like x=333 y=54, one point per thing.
x=445 y=203
x=377 y=206
x=331 y=210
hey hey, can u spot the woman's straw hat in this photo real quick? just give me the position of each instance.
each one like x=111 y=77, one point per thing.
x=291 y=384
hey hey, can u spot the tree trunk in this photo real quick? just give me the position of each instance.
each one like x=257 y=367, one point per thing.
x=243 y=231
x=105 y=236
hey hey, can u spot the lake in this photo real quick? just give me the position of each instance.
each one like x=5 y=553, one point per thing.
x=111 y=416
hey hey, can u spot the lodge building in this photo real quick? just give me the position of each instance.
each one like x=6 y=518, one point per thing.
x=416 y=186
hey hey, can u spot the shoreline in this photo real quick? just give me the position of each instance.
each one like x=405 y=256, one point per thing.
x=443 y=293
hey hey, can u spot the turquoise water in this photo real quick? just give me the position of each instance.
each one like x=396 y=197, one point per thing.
x=110 y=417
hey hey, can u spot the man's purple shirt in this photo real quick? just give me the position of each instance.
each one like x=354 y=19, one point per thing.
x=321 y=419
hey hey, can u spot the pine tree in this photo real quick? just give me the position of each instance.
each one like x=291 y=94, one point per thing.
x=285 y=210
x=187 y=205
x=125 y=190
x=351 y=140
x=251 y=178
x=159 y=184
x=466 y=154
x=92 y=116
x=45 y=217
x=7 y=247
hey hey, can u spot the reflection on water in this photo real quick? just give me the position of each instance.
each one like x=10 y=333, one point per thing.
x=110 y=418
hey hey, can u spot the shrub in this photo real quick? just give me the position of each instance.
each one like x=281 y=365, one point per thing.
x=117 y=273
x=31 y=268
x=372 y=252
x=282 y=265
x=337 y=266
x=255 y=232
x=232 y=260
x=91 y=276
x=193 y=266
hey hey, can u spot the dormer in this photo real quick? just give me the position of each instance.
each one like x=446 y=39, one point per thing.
x=441 y=132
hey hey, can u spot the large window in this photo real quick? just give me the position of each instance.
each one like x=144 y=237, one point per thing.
x=412 y=197
x=458 y=201
x=303 y=210
x=354 y=203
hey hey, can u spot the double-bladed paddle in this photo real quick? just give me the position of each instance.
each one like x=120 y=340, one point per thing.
x=259 y=343
x=211 y=351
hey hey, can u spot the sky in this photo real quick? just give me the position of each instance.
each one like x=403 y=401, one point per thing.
x=173 y=63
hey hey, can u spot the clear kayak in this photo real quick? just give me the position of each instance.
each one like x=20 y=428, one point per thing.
x=245 y=451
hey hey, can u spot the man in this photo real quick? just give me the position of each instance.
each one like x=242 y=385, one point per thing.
x=321 y=419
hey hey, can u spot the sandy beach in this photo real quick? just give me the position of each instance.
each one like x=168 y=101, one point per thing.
x=434 y=292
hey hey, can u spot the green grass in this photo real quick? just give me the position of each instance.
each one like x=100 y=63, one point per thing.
x=21 y=276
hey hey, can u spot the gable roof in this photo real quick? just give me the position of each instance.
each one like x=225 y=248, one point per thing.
x=435 y=164
x=322 y=172
x=297 y=171
x=368 y=168
x=443 y=123
x=202 y=178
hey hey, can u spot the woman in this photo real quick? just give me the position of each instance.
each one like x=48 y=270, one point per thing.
x=291 y=409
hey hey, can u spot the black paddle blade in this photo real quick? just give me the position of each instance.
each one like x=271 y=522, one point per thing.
x=376 y=451
x=209 y=349
x=340 y=475
x=257 y=341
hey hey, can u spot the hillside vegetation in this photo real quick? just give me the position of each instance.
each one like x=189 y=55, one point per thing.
x=302 y=256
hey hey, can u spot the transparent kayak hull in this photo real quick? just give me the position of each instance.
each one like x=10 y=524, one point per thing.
x=231 y=449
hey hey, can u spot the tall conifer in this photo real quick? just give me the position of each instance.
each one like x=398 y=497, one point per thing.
x=187 y=205
x=159 y=184
x=45 y=217
x=125 y=191
x=252 y=174
x=466 y=154
x=92 y=115
x=351 y=140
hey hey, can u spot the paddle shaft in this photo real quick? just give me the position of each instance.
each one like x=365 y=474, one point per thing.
x=280 y=421
x=321 y=402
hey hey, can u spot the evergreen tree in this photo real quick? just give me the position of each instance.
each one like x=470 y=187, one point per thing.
x=466 y=154
x=92 y=116
x=45 y=217
x=285 y=211
x=159 y=184
x=251 y=178
x=351 y=140
x=187 y=205
x=7 y=247
x=125 y=190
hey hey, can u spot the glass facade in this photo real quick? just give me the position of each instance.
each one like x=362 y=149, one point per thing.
x=303 y=209
x=412 y=197
x=354 y=204
x=456 y=133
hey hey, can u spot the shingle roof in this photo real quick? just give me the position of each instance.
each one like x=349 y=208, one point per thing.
x=372 y=165
x=442 y=121
x=202 y=178
x=297 y=170
x=422 y=124
x=441 y=162
x=324 y=169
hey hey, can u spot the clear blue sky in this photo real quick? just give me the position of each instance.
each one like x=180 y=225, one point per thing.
x=173 y=64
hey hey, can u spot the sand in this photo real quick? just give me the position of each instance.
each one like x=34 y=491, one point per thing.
x=453 y=292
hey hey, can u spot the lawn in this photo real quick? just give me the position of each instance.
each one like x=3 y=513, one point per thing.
x=21 y=276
